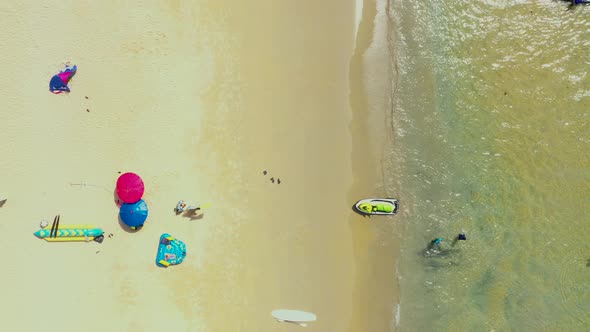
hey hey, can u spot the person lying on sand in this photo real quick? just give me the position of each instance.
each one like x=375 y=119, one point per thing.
x=182 y=207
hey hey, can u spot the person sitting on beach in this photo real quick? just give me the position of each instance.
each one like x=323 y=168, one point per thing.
x=180 y=206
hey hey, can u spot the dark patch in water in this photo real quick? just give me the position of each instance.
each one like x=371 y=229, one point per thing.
x=480 y=290
x=437 y=258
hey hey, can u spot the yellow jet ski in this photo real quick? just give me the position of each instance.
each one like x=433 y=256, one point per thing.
x=377 y=206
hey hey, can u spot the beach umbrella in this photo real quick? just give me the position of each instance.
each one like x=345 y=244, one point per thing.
x=130 y=187
x=59 y=82
x=135 y=214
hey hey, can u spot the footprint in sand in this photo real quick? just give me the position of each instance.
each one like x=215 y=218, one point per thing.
x=272 y=179
x=87 y=110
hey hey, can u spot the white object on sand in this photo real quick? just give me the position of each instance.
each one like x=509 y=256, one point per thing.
x=43 y=223
x=294 y=316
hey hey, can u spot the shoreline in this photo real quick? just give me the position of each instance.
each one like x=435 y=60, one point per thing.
x=377 y=287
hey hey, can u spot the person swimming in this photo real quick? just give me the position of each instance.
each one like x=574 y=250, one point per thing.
x=437 y=241
x=434 y=247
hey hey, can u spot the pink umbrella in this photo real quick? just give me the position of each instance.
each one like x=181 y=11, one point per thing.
x=130 y=188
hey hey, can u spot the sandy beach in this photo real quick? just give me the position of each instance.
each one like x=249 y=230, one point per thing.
x=376 y=242
x=199 y=100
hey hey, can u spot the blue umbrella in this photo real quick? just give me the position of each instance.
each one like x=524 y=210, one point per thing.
x=135 y=214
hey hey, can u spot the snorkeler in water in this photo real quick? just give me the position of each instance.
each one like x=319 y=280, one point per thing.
x=460 y=237
x=434 y=246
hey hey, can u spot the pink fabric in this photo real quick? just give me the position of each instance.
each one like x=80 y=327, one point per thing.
x=65 y=76
x=130 y=187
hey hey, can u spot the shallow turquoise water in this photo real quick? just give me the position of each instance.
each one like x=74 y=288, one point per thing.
x=492 y=136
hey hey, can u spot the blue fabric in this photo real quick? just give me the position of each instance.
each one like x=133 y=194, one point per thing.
x=173 y=247
x=135 y=214
x=59 y=82
x=56 y=84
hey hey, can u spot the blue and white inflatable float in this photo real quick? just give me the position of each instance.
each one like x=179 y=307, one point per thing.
x=171 y=251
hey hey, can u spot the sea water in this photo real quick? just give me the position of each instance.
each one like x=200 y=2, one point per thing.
x=491 y=121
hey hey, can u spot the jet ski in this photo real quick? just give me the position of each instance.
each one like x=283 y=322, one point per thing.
x=377 y=206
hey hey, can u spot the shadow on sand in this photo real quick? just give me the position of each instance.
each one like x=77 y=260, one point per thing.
x=193 y=215
x=116 y=199
x=127 y=228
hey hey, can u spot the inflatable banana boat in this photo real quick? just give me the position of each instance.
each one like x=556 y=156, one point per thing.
x=70 y=233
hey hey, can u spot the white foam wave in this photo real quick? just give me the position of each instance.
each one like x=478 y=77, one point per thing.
x=358 y=16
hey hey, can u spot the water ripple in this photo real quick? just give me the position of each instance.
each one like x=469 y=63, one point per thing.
x=492 y=123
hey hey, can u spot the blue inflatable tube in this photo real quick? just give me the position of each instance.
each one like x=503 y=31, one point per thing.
x=171 y=251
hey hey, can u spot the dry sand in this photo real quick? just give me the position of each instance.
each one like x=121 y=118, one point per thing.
x=198 y=99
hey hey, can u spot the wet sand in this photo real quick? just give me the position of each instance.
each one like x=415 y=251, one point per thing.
x=376 y=240
x=198 y=100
